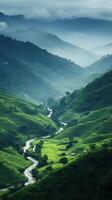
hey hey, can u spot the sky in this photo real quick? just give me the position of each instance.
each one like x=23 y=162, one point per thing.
x=58 y=9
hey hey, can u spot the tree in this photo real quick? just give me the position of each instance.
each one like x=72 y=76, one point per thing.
x=63 y=160
x=70 y=144
x=92 y=147
x=67 y=93
x=49 y=168
x=105 y=147
x=43 y=161
x=63 y=154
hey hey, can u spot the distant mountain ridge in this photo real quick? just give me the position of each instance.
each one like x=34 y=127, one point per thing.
x=101 y=66
x=55 y=45
x=103 y=50
x=44 y=73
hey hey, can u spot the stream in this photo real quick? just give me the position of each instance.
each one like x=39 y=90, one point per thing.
x=28 y=171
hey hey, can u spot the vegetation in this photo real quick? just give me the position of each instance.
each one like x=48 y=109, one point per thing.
x=19 y=121
x=52 y=155
x=74 y=180
x=79 y=160
x=94 y=96
x=12 y=165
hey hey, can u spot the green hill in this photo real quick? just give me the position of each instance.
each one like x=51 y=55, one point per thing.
x=19 y=121
x=94 y=96
x=89 y=109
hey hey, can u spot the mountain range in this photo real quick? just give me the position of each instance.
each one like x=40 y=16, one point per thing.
x=54 y=44
x=40 y=73
x=55 y=116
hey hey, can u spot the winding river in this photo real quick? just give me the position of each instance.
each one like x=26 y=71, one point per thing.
x=28 y=171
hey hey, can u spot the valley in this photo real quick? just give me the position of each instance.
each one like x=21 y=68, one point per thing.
x=55 y=100
x=82 y=136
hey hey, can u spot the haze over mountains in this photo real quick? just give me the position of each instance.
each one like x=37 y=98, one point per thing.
x=55 y=45
x=68 y=34
x=101 y=66
x=46 y=73
x=55 y=101
x=103 y=50
x=27 y=31
x=41 y=74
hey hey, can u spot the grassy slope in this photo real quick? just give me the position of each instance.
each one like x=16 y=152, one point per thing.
x=11 y=166
x=19 y=121
x=94 y=96
x=94 y=125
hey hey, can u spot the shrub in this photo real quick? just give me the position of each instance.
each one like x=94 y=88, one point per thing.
x=63 y=160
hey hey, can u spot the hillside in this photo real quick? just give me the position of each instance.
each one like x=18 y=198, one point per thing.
x=87 y=138
x=51 y=72
x=19 y=121
x=74 y=181
x=94 y=96
x=101 y=66
x=103 y=50
x=58 y=144
x=18 y=79
x=20 y=117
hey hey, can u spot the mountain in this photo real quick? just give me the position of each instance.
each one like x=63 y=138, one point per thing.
x=17 y=78
x=88 y=110
x=101 y=66
x=75 y=24
x=103 y=50
x=42 y=74
x=83 y=32
x=54 y=44
x=94 y=96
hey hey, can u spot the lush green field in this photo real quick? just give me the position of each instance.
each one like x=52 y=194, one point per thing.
x=54 y=150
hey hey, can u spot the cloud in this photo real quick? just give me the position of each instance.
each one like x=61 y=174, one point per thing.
x=49 y=9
